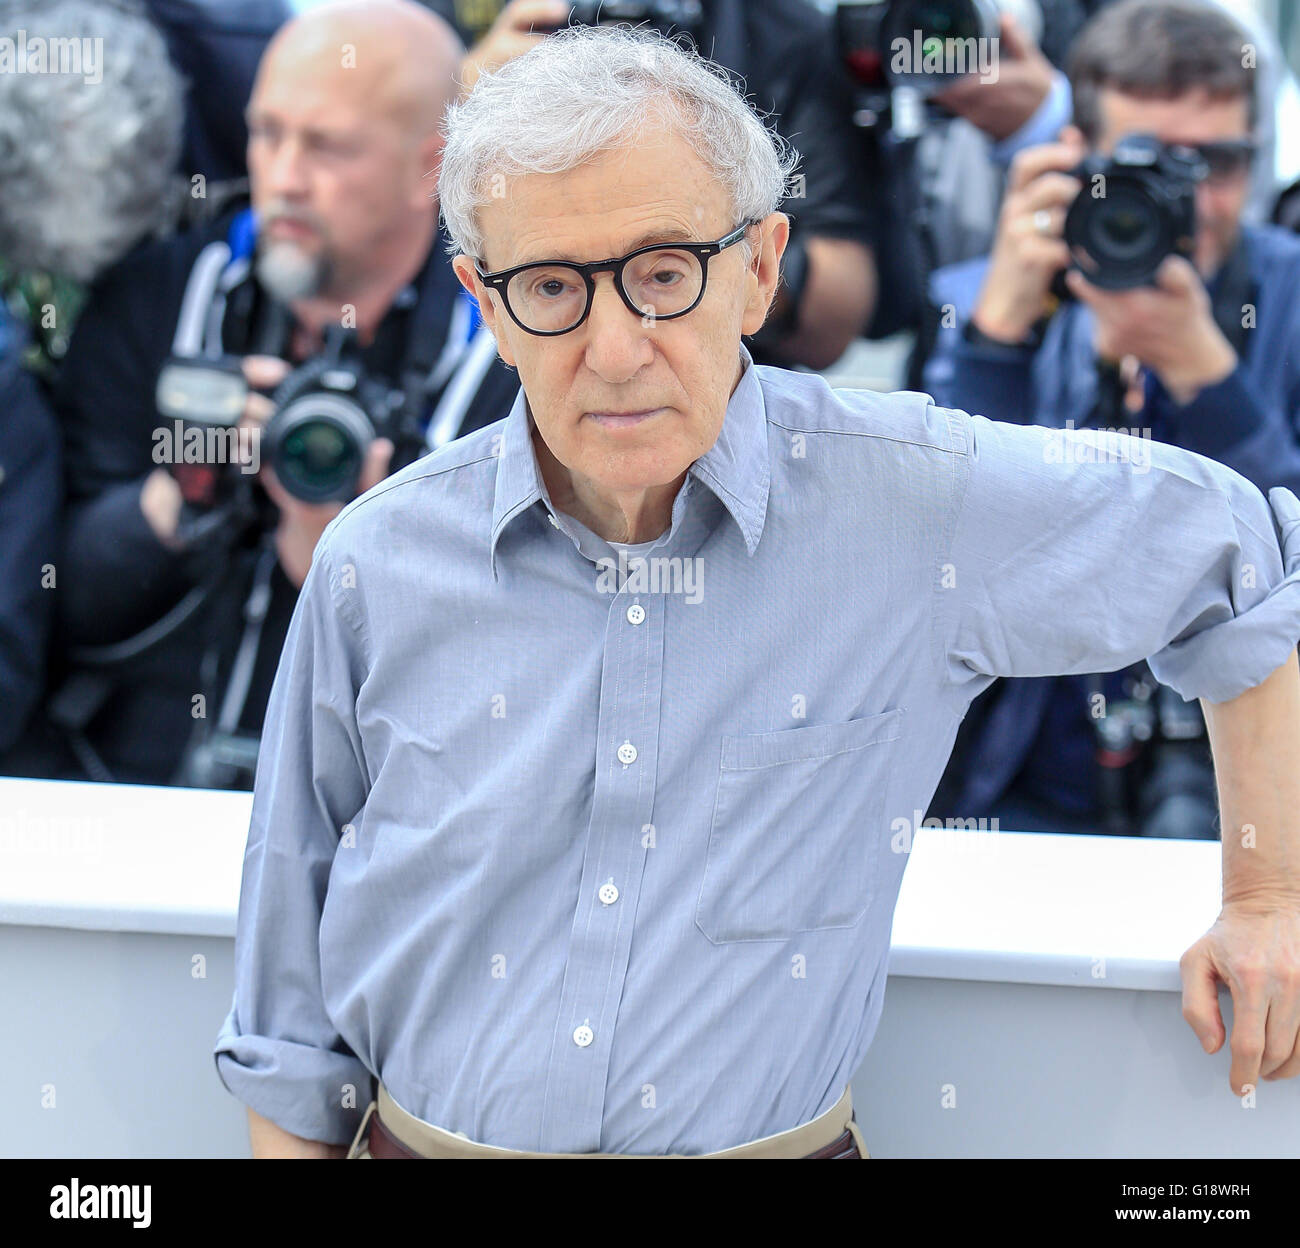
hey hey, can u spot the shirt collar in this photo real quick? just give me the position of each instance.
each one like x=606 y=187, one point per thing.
x=735 y=467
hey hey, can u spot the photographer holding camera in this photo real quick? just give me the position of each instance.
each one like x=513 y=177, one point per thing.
x=324 y=317
x=1125 y=293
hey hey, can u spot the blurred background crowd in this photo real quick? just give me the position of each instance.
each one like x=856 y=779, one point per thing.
x=1074 y=213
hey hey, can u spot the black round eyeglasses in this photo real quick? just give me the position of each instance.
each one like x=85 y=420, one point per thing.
x=657 y=283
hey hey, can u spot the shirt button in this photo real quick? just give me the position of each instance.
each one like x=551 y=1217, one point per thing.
x=608 y=894
x=553 y=520
x=583 y=1036
x=635 y=613
x=627 y=753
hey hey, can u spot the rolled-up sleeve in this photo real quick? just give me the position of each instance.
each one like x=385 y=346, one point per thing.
x=277 y=1051
x=1077 y=551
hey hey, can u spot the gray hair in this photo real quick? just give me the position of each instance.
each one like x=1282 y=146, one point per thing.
x=87 y=159
x=586 y=90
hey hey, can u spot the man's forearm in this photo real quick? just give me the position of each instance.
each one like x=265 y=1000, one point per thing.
x=268 y=1140
x=1256 y=744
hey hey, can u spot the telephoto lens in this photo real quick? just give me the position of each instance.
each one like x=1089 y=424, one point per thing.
x=925 y=45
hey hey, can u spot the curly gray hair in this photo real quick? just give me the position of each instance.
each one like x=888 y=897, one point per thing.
x=86 y=163
x=587 y=90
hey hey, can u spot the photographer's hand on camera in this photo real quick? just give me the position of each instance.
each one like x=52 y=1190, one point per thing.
x=1001 y=106
x=521 y=25
x=160 y=501
x=1028 y=249
x=301 y=524
x=1168 y=327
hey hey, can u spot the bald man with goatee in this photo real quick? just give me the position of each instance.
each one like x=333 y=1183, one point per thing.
x=339 y=239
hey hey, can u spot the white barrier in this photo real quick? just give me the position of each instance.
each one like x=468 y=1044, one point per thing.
x=1033 y=1006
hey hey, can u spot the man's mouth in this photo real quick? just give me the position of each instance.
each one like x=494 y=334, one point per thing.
x=624 y=420
x=290 y=227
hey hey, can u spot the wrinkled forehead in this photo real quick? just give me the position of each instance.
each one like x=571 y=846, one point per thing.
x=656 y=191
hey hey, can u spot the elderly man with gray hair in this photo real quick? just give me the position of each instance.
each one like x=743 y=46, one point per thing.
x=572 y=823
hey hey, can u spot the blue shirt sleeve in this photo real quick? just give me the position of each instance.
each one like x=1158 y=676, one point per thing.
x=278 y=1051
x=1043 y=127
x=1077 y=551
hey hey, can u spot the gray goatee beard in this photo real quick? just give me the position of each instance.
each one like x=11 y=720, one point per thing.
x=288 y=273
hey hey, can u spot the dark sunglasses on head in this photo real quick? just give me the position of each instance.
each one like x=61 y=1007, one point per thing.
x=1225 y=158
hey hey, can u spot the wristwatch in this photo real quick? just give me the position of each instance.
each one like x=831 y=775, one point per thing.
x=977 y=337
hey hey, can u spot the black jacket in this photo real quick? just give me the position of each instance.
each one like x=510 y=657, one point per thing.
x=30 y=493
x=115 y=577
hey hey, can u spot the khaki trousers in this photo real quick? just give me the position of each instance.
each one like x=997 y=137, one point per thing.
x=433 y=1142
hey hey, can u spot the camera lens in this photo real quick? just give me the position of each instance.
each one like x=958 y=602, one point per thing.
x=1124 y=228
x=929 y=44
x=316 y=445
x=1120 y=239
x=938 y=21
x=319 y=454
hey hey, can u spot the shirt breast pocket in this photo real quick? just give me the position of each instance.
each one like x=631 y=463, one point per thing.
x=795 y=834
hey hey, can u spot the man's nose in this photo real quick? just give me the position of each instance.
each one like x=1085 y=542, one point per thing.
x=285 y=170
x=618 y=342
x=1209 y=206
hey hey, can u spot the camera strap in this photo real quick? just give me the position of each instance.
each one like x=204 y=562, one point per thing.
x=449 y=352
x=475 y=358
x=256 y=606
x=193 y=325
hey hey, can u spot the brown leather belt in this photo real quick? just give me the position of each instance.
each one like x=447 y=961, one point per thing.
x=382 y=1143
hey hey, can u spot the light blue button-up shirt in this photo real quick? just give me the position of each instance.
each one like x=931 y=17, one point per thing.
x=586 y=850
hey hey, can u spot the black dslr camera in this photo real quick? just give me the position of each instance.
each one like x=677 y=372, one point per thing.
x=664 y=15
x=925 y=45
x=1136 y=207
x=327 y=412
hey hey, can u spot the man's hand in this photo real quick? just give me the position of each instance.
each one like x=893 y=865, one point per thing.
x=301 y=524
x=1024 y=78
x=1028 y=249
x=1168 y=327
x=511 y=35
x=160 y=497
x=1254 y=948
x=160 y=503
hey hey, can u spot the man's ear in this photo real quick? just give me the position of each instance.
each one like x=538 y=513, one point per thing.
x=764 y=271
x=468 y=277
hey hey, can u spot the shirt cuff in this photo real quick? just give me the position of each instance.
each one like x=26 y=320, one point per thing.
x=1043 y=126
x=1225 y=659
x=300 y=1088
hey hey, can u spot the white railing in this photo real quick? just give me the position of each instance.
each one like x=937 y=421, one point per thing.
x=1033 y=1006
